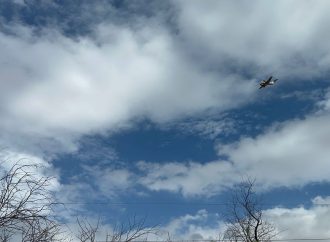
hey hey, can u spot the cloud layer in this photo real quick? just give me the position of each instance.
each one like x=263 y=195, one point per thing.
x=58 y=89
x=290 y=154
x=285 y=38
x=290 y=223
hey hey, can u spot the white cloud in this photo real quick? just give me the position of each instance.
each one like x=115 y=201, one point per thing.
x=100 y=182
x=56 y=89
x=301 y=222
x=290 y=154
x=110 y=181
x=190 y=179
x=321 y=200
x=324 y=104
x=286 y=38
x=197 y=226
x=207 y=127
x=36 y=166
x=290 y=223
x=20 y=2
x=26 y=180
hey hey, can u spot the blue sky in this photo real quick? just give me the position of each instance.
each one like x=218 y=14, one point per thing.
x=153 y=108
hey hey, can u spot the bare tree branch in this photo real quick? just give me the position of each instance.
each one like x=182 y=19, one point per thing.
x=25 y=204
x=41 y=231
x=134 y=229
x=245 y=218
x=87 y=232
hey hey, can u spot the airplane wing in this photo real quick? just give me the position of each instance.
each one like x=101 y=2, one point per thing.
x=269 y=79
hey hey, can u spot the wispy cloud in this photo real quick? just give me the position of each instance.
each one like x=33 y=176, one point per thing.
x=281 y=156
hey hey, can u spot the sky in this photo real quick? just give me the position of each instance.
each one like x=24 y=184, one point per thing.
x=152 y=108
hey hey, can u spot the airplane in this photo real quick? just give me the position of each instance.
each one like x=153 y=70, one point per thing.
x=265 y=83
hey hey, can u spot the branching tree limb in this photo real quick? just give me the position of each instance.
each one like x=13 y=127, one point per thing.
x=25 y=204
x=25 y=212
x=41 y=231
x=245 y=218
x=134 y=229
x=87 y=232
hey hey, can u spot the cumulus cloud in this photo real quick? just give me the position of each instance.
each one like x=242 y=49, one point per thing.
x=190 y=178
x=26 y=180
x=20 y=2
x=291 y=154
x=301 y=222
x=35 y=165
x=110 y=181
x=201 y=225
x=324 y=104
x=57 y=89
x=290 y=223
x=280 y=157
x=286 y=38
x=297 y=222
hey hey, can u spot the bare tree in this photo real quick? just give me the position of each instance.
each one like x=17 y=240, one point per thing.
x=25 y=204
x=87 y=232
x=134 y=229
x=41 y=231
x=245 y=218
x=125 y=232
x=5 y=235
x=26 y=208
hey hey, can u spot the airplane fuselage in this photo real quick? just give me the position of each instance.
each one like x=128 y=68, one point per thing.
x=265 y=83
